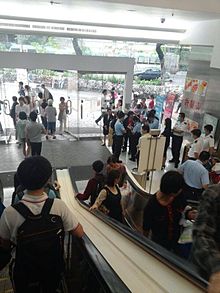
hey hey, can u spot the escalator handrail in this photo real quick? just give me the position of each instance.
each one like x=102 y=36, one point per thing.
x=106 y=275
x=176 y=263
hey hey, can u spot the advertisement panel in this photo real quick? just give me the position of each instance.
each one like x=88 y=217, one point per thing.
x=169 y=105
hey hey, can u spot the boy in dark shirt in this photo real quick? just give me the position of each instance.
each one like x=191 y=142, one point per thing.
x=95 y=184
x=162 y=212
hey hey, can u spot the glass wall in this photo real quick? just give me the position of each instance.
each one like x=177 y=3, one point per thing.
x=176 y=57
x=82 y=92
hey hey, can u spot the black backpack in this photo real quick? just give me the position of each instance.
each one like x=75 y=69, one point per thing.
x=39 y=261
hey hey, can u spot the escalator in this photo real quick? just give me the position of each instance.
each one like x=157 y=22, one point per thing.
x=140 y=264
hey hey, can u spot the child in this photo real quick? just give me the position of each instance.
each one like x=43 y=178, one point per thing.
x=187 y=221
x=20 y=128
x=50 y=113
x=36 y=227
x=33 y=134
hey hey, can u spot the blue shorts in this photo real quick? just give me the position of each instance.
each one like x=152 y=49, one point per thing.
x=51 y=126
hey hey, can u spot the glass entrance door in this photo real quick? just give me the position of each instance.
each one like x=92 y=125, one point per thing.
x=6 y=124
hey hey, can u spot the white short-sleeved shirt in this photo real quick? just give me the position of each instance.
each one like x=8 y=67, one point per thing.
x=208 y=142
x=11 y=220
x=23 y=108
x=196 y=147
x=182 y=126
x=194 y=173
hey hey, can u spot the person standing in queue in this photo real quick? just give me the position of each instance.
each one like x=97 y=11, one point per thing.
x=167 y=134
x=164 y=211
x=12 y=110
x=128 y=124
x=136 y=134
x=208 y=139
x=197 y=145
x=107 y=118
x=119 y=133
x=196 y=176
x=177 y=138
x=104 y=105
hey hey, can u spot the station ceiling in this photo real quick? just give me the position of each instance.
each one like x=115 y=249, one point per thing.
x=134 y=14
x=122 y=12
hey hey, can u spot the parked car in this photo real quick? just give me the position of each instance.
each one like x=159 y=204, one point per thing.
x=149 y=74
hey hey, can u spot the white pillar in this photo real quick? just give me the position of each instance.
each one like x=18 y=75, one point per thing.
x=127 y=95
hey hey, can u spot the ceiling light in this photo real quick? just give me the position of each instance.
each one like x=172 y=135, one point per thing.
x=131 y=10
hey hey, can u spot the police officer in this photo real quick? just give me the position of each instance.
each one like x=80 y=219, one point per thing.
x=197 y=145
x=119 y=132
x=208 y=139
x=136 y=134
x=177 y=138
x=196 y=176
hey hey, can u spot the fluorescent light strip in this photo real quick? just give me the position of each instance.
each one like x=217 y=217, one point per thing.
x=75 y=29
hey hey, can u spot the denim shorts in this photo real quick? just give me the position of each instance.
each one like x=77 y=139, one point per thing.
x=51 y=126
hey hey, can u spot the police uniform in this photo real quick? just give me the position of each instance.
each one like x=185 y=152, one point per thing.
x=136 y=134
x=195 y=176
x=118 y=138
x=177 y=140
x=196 y=147
x=208 y=142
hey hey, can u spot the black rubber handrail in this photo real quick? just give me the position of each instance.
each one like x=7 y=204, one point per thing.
x=110 y=281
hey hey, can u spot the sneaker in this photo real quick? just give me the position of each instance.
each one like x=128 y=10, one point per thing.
x=96 y=122
x=103 y=144
x=54 y=137
x=47 y=137
x=171 y=161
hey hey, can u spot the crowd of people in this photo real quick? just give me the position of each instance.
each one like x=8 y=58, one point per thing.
x=182 y=216
x=25 y=111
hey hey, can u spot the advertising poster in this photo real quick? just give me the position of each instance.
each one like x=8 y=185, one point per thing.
x=188 y=85
x=212 y=120
x=159 y=106
x=195 y=86
x=191 y=124
x=169 y=105
x=202 y=88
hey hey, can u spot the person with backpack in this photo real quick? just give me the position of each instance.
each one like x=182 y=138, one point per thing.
x=95 y=184
x=36 y=227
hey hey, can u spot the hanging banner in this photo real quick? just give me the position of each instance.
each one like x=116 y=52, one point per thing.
x=159 y=106
x=170 y=101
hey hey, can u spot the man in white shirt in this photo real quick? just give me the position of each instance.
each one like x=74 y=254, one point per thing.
x=197 y=146
x=208 y=139
x=47 y=94
x=33 y=174
x=21 y=107
x=177 y=138
x=195 y=175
